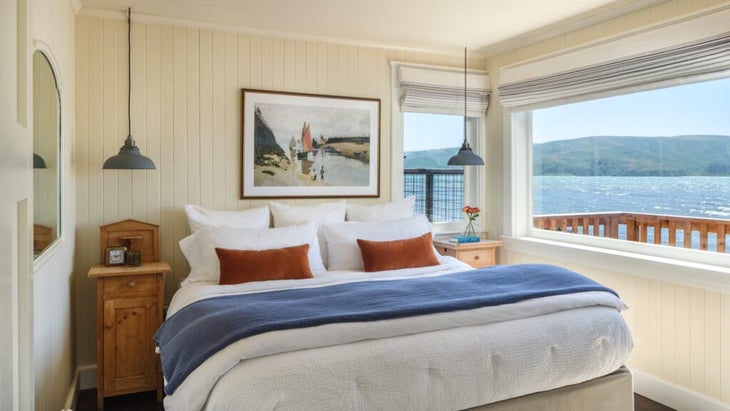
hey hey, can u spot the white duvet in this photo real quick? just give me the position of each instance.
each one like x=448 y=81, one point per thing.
x=440 y=361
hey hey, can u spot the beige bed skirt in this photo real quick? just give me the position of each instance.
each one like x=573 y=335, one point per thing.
x=612 y=392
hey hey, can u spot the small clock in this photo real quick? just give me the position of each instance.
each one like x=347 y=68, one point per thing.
x=115 y=255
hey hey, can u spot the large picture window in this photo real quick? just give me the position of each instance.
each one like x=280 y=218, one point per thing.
x=651 y=166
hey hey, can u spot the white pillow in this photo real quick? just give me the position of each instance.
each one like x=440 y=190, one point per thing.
x=286 y=215
x=199 y=248
x=395 y=210
x=344 y=253
x=199 y=217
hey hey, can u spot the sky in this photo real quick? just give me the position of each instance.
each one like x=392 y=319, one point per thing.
x=700 y=108
x=430 y=131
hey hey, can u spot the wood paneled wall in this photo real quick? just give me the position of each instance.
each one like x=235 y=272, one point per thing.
x=186 y=116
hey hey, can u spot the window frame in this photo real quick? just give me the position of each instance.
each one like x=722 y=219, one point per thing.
x=519 y=228
x=473 y=179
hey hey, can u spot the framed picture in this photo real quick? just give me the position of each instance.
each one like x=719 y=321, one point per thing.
x=115 y=255
x=307 y=145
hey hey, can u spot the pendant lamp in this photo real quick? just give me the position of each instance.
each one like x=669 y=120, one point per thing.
x=466 y=156
x=129 y=156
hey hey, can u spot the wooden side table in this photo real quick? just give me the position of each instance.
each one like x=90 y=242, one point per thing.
x=477 y=254
x=129 y=311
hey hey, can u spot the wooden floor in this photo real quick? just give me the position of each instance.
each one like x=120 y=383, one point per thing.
x=147 y=401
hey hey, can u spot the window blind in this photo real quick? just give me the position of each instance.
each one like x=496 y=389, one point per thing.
x=437 y=91
x=708 y=57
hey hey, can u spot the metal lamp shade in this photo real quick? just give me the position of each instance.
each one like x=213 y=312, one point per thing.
x=129 y=158
x=38 y=161
x=466 y=157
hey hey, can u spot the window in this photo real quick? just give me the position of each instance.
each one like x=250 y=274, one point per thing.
x=427 y=130
x=652 y=167
x=429 y=140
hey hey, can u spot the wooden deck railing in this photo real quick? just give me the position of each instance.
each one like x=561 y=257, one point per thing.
x=687 y=232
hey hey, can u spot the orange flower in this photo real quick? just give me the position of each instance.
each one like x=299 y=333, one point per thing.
x=471 y=212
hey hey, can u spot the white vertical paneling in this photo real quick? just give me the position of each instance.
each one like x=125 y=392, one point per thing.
x=192 y=97
x=139 y=120
x=166 y=166
x=682 y=355
x=153 y=117
x=697 y=339
x=232 y=106
x=81 y=152
x=218 y=120
x=713 y=348
x=206 y=119
x=180 y=136
x=298 y=67
x=641 y=359
x=277 y=64
x=656 y=342
x=124 y=177
x=668 y=313
x=110 y=117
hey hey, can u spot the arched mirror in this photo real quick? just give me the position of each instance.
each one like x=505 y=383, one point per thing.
x=46 y=154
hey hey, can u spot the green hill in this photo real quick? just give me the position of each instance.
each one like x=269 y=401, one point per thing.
x=634 y=156
x=613 y=156
x=429 y=158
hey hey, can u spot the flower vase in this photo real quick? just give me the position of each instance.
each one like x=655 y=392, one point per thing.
x=472 y=230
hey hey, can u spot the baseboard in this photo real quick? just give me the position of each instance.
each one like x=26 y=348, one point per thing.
x=673 y=395
x=87 y=377
x=72 y=398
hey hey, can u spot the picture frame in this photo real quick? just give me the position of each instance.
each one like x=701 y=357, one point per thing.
x=115 y=256
x=298 y=145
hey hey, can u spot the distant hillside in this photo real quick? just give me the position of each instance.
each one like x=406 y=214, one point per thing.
x=613 y=156
x=634 y=156
x=429 y=158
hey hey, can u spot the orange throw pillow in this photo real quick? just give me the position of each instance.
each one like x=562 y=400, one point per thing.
x=242 y=266
x=393 y=255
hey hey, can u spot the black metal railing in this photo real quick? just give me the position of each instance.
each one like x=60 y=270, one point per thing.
x=439 y=192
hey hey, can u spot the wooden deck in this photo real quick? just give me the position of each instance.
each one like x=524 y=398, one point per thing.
x=685 y=232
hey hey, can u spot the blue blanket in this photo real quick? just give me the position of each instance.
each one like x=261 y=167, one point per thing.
x=200 y=329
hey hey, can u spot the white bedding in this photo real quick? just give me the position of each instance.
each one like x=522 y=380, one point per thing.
x=440 y=361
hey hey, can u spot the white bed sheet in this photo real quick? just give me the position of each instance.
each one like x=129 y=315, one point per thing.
x=439 y=361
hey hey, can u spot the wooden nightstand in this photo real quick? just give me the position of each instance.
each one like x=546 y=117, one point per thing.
x=477 y=255
x=129 y=311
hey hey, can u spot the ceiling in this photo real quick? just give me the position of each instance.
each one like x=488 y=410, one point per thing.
x=446 y=26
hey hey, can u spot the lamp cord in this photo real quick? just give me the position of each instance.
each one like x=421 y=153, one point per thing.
x=129 y=71
x=465 y=141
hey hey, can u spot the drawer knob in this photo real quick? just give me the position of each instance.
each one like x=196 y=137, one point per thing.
x=476 y=257
x=131 y=284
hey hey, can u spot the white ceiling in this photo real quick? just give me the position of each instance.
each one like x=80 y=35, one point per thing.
x=484 y=26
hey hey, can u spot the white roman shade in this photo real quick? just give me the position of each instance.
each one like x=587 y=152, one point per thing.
x=441 y=91
x=694 y=50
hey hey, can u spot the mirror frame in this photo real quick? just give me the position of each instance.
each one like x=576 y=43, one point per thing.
x=44 y=51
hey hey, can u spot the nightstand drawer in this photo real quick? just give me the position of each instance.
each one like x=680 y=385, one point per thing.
x=130 y=286
x=476 y=259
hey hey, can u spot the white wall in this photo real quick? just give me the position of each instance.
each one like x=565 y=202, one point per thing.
x=680 y=332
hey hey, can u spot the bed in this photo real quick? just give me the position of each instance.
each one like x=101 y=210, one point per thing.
x=434 y=337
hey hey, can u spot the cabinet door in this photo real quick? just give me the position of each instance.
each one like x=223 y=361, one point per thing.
x=130 y=362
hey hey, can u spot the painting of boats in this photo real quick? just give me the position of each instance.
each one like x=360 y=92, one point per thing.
x=301 y=145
